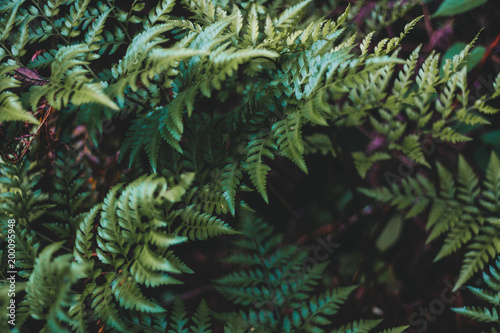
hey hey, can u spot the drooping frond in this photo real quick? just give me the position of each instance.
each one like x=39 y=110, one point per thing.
x=20 y=197
x=137 y=228
x=460 y=209
x=48 y=291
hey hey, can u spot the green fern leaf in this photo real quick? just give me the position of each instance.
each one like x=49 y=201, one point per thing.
x=230 y=179
x=129 y=295
x=179 y=321
x=479 y=314
x=201 y=319
x=363 y=163
x=200 y=226
x=260 y=145
x=289 y=139
x=290 y=14
x=10 y=104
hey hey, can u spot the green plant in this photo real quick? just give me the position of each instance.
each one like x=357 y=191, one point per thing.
x=460 y=209
x=211 y=96
x=275 y=284
x=489 y=294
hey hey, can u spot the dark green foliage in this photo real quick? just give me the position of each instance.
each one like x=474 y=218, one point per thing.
x=199 y=323
x=48 y=291
x=210 y=100
x=19 y=196
x=137 y=220
x=489 y=294
x=71 y=192
x=276 y=286
x=462 y=210
x=189 y=77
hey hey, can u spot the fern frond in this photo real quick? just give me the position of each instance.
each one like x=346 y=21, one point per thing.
x=160 y=12
x=484 y=247
x=289 y=139
x=11 y=108
x=28 y=245
x=363 y=163
x=180 y=322
x=459 y=210
x=134 y=238
x=479 y=314
x=271 y=280
x=21 y=198
x=129 y=295
x=259 y=146
x=290 y=14
x=200 y=226
x=230 y=179
x=48 y=291
x=70 y=192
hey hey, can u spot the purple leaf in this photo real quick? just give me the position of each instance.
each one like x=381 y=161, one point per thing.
x=29 y=77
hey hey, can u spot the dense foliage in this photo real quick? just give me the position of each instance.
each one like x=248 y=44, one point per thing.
x=139 y=137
